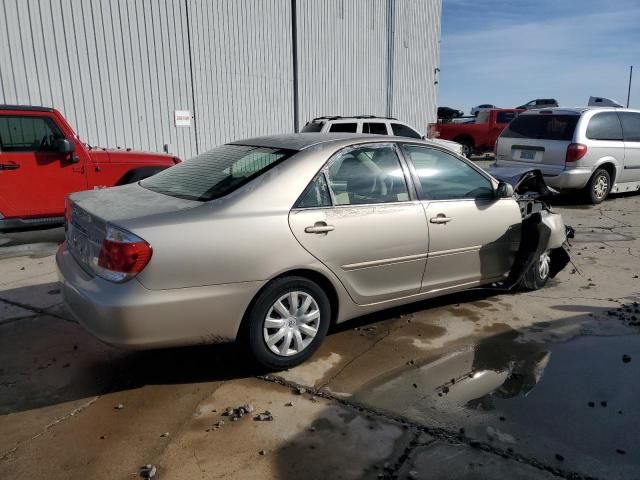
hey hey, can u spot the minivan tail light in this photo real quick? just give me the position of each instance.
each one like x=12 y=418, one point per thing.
x=122 y=256
x=575 y=151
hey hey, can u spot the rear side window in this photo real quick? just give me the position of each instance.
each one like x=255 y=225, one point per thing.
x=604 y=126
x=215 y=173
x=374 y=128
x=400 y=130
x=505 y=117
x=630 y=126
x=311 y=127
x=542 y=126
x=28 y=134
x=316 y=195
x=344 y=127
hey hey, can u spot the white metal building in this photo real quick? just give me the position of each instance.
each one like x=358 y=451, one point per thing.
x=128 y=72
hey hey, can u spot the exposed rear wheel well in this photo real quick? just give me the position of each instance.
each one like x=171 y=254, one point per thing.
x=322 y=281
x=611 y=170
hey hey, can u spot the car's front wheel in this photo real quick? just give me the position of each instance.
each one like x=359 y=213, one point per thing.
x=538 y=274
x=287 y=322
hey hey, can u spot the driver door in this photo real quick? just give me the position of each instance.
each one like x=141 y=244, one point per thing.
x=35 y=179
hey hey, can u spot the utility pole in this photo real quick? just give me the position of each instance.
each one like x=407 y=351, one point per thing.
x=629 y=91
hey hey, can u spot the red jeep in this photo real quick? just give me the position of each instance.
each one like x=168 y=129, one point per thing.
x=477 y=136
x=42 y=161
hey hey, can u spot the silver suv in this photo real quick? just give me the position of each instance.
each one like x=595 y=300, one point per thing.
x=370 y=124
x=595 y=150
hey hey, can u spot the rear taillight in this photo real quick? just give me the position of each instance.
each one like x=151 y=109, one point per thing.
x=123 y=255
x=575 y=151
x=68 y=213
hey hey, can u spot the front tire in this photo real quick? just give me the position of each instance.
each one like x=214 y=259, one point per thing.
x=538 y=274
x=598 y=187
x=287 y=322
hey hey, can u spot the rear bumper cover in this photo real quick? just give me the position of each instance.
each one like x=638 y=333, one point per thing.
x=127 y=314
x=555 y=177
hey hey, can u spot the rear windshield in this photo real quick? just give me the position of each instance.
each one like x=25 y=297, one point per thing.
x=215 y=173
x=542 y=126
x=312 y=127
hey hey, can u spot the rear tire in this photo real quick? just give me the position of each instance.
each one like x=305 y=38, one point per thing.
x=538 y=274
x=598 y=187
x=287 y=323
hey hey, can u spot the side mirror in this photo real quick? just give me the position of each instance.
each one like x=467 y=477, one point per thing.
x=504 y=190
x=63 y=145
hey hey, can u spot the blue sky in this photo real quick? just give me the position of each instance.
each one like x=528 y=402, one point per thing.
x=508 y=52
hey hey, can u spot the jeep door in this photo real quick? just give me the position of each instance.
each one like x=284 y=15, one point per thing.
x=34 y=178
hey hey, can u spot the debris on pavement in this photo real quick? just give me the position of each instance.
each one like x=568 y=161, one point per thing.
x=119 y=406
x=301 y=391
x=148 y=471
x=262 y=452
x=626 y=358
x=265 y=416
x=165 y=434
x=288 y=404
x=559 y=457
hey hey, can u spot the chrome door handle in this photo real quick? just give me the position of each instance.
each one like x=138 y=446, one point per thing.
x=440 y=218
x=320 y=227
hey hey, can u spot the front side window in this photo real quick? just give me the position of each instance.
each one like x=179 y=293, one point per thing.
x=344 y=127
x=631 y=126
x=215 y=173
x=445 y=177
x=374 y=128
x=28 y=134
x=370 y=174
x=604 y=126
x=400 y=130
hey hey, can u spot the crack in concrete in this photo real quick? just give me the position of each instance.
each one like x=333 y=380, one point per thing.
x=438 y=433
x=37 y=310
x=5 y=456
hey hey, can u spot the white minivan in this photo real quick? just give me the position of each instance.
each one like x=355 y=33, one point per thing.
x=592 y=150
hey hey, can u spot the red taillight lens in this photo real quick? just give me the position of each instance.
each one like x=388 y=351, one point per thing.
x=575 y=151
x=122 y=256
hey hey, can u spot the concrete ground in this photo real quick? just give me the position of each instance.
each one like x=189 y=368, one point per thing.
x=536 y=385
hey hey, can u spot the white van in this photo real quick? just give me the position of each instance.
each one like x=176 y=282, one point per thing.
x=593 y=150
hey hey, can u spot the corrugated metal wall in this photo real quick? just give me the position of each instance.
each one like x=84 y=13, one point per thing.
x=118 y=69
x=342 y=57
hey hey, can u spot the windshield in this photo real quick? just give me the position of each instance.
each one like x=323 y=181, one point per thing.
x=542 y=126
x=215 y=173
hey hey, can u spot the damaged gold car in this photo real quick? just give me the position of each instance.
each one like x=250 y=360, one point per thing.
x=271 y=240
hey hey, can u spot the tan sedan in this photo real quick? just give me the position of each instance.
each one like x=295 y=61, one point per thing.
x=272 y=240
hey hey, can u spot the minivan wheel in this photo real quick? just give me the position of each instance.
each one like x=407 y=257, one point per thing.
x=538 y=274
x=599 y=186
x=287 y=322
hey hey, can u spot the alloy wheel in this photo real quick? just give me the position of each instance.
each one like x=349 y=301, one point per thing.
x=291 y=323
x=600 y=187
x=544 y=265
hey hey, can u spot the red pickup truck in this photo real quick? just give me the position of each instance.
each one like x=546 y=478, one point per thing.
x=480 y=135
x=42 y=161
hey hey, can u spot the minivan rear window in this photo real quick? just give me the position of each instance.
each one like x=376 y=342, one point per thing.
x=215 y=173
x=542 y=126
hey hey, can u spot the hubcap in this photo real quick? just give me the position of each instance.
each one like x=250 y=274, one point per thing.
x=600 y=187
x=291 y=323
x=544 y=265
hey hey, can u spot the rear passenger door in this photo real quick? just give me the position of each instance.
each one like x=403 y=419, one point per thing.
x=631 y=133
x=375 y=128
x=604 y=132
x=344 y=127
x=473 y=236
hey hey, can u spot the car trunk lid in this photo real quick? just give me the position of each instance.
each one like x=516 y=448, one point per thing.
x=88 y=214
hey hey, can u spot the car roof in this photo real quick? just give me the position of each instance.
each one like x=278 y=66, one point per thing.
x=575 y=110
x=30 y=108
x=300 y=141
x=353 y=117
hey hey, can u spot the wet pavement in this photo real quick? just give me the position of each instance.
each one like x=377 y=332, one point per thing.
x=531 y=385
